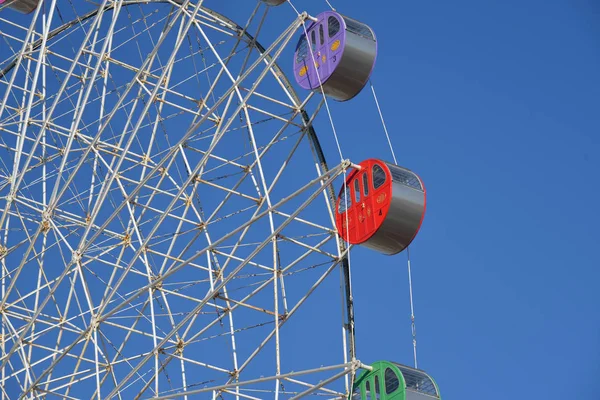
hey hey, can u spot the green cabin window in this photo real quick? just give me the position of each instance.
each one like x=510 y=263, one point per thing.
x=391 y=381
x=356 y=394
x=418 y=381
x=377 y=387
x=378 y=176
x=368 y=390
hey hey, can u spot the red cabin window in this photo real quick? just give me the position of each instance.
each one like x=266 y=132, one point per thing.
x=356 y=191
x=344 y=200
x=378 y=176
x=365 y=178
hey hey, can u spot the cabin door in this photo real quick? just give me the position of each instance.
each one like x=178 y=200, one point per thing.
x=334 y=41
x=379 y=196
x=320 y=53
x=375 y=392
x=361 y=208
x=353 y=216
x=366 y=204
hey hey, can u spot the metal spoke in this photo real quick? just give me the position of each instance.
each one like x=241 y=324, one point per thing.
x=166 y=213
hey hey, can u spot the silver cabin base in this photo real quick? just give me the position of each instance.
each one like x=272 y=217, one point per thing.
x=23 y=6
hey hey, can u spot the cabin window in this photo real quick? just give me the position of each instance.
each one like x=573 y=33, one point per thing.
x=313 y=40
x=378 y=176
x=302 y=50
x=406 y=178
x=359 y=28
x=321 y=35
x=365 y=178
x=344 y=200
x=391 y=381
x=368 y=390
x=356 y=191
x=356 y=394
x=333 y=25
x=377 y=387
x=417 y=381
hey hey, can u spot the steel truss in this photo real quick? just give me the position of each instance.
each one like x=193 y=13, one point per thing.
x=165 y=209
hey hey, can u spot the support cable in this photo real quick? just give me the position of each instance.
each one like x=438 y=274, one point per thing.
x=387 y=135
x=410 y=285
x=329 y=4
x=350 y=323
x=337 y=142
x=412 y=310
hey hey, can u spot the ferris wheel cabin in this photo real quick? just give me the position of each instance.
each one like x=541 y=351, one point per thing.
x=23 y=6
x=393 y=381
x=340 y=57
x=274 y=2
x=382 y=207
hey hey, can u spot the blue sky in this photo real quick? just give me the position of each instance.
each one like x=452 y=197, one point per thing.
x=495 y=105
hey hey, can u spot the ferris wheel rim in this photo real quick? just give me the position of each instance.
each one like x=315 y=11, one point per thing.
x=312 y=136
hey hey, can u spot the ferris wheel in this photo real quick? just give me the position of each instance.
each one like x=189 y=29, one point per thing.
x=167 y=210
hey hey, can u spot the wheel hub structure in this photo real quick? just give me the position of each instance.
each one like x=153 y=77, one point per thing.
x=165 y=207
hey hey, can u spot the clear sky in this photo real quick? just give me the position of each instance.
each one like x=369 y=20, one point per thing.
x=496 y=104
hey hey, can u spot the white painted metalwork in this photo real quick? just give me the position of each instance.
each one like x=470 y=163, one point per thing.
x=162 y=222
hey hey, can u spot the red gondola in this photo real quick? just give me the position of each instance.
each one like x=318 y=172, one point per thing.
x=383 y=206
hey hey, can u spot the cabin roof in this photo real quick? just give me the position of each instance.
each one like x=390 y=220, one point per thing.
x=417 y=380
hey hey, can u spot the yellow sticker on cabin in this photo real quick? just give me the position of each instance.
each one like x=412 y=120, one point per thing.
x=303 y=71
x=335 y=45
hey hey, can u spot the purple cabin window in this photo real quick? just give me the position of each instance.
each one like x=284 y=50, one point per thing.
x=333 y=26
x=359 y=28
x=302 y=50
x=321 y=35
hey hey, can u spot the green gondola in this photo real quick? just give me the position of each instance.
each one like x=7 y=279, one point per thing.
x=392 y=381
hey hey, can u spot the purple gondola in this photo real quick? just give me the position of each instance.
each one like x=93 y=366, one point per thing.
x=23 y=6
x=342 y=52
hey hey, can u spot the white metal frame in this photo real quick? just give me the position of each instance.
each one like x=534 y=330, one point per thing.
x=117 y=262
